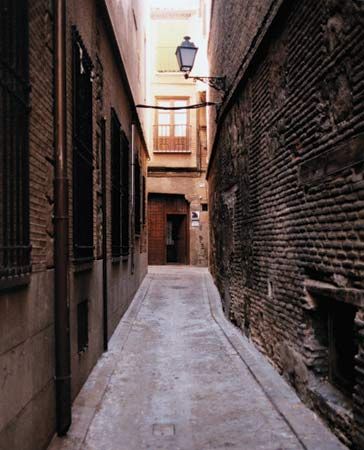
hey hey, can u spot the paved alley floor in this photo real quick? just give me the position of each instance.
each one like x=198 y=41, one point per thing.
x=178 y=375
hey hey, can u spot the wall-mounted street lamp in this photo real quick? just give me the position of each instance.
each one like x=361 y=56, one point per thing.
x=186 y=54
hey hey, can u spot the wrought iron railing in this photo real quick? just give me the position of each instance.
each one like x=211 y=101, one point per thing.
x=172 y=138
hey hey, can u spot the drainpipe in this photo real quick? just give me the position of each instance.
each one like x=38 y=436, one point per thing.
x=132 y=234
x=62 y=336
x=104 y=234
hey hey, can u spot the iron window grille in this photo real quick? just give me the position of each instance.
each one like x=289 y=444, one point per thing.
x=138 y=193
x=116 y=188
x=82 y=150
x=144 y=201
x=14 y=140
x=125 y=211
x=120 y=212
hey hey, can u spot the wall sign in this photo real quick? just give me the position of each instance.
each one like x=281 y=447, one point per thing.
x=195 y=218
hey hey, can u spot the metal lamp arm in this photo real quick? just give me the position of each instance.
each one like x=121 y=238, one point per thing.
x=218 y=83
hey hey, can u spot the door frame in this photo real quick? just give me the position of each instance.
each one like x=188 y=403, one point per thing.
x=186 y=233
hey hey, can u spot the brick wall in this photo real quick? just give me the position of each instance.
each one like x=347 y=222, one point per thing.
x=27 y=360
x=26 y=313
x=287 y=188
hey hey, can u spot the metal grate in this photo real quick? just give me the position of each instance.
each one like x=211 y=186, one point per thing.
x=116 y=187
x=125 y=211
x=120 y=212
x=82 y=151
x=144 y=201
x=14 y=140
x=82 y=326
x=138 y=205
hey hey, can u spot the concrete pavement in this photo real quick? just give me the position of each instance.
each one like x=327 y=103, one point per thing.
x=178 y=375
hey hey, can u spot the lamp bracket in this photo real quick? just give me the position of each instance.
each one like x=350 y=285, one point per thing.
x=218 y=83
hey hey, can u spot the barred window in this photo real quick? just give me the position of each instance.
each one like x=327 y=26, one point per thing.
x=137 y=189
x=125 y=211
x=119 y=188
x=116 y=187
x=82 y=151
x=144 y=201
x=14 y=141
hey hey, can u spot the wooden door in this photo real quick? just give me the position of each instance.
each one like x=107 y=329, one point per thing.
x=156 y=231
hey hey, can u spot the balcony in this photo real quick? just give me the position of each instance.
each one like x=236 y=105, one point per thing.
x=172 y=139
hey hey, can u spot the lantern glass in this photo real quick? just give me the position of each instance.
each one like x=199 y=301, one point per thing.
x=186 y=54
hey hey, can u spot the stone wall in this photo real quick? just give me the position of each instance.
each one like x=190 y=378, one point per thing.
x=286 y=183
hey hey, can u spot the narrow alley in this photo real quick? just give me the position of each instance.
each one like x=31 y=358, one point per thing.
x=181 y=224
x=179 y=376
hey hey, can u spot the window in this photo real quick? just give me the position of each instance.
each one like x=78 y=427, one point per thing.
x=144 y=201
x=204 y=207
x=342 y=346
x=125 y=212
x=14 y=140
x=82 y=151
x=172 y=131
x=116 y=187
x=119 y=189
x=334 y=327
x=137 y=188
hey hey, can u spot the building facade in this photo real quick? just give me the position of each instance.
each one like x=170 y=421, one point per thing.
x=73 y=239
x=286 y=182
x=178 y=217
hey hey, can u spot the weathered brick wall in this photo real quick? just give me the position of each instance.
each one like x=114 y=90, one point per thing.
x=41 y=134
x=27 y=360
x=287 y=187
x=26 y=313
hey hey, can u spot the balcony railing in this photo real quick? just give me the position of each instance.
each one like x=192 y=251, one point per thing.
x=172 y=138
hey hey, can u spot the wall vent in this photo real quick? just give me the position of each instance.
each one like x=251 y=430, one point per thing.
x=82 y=326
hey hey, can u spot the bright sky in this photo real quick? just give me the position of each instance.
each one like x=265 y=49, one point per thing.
x=174 y=4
